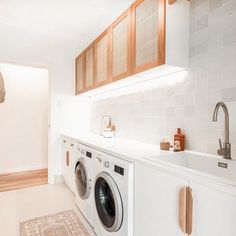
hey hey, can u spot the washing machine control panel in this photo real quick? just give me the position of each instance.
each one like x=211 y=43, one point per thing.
x=85 y=151
x=119 y=170
x=88 y=154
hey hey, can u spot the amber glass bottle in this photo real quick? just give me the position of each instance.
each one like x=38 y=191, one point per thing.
x=179 y=139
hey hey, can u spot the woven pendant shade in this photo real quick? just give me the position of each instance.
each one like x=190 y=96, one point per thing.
x=2 y=89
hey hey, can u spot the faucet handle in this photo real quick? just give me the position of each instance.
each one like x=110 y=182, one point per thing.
x=221 y=151
x=220 y=143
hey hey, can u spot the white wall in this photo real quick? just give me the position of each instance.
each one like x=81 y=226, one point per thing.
x=24 y=119
x=188 y=102
x=27 y=46
x=75 y=115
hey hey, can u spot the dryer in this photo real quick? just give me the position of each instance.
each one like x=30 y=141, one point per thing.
x=113 y=196
x=84 y=182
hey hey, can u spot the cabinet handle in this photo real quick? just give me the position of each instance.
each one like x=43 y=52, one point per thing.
x=72 y=145
x=67 y=158
x=64 y=141
x=189 y=211
x=186 y=210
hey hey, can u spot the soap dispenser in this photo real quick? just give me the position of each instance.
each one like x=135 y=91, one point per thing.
x=179 y=141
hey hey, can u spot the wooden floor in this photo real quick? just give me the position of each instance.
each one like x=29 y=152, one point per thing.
x=25 y=179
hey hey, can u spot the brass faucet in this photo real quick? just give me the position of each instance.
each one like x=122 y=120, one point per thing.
x=225 y=149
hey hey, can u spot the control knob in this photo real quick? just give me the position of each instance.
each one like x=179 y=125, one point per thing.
x=107 y=164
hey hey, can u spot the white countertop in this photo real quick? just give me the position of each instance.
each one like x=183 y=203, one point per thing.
x=123 y=148
x=138 y=152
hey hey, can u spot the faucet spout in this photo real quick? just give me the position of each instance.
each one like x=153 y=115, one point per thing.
x=215 y=116
x=226 y=151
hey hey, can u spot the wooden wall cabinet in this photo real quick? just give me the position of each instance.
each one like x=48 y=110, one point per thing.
x=120 y=47
x=80 y=73
x=102 y=67
x=85 y=70
x=148 y=34
x=89 y=67
x=151 y=34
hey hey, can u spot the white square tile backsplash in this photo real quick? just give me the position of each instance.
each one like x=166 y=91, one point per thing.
x=151 y=115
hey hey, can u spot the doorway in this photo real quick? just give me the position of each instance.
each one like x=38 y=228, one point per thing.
x=24 y=125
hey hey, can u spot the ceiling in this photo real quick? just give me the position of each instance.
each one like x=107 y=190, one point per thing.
x=71 y=22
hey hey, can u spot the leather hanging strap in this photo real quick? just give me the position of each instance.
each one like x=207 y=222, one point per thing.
x=2 y=89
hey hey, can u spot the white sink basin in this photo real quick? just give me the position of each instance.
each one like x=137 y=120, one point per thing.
x=220 y=168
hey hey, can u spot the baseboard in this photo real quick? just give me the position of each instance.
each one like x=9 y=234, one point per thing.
x=23 y=179
x=23 y=169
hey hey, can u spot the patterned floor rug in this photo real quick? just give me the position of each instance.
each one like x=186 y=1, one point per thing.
x=61 y=224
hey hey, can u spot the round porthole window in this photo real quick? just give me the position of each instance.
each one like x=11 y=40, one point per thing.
x=108 y=202
x=81 y=180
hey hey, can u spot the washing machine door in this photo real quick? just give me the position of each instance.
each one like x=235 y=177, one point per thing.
x=108 y=202
x=82 y=180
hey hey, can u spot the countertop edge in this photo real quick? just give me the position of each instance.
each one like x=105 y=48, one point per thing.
x=192 y=175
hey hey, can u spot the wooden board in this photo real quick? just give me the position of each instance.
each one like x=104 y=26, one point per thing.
x=24 y=179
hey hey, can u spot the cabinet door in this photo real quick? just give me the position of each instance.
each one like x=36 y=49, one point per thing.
x=65 y=160
x=156 y=206
x=71 y=168
x=80 y=73
x=120 y=47
x=68 y=162
x=102 y=59
x=89 y=67
x=214 y=211
x=148 y=34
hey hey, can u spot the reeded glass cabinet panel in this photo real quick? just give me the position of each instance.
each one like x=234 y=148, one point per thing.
x=89 y=73
x=80 y=74
x=101 y=60
x=120 y=45
x=146 y=32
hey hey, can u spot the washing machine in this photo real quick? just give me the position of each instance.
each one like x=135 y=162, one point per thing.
x=113 y=196
x=84 y=182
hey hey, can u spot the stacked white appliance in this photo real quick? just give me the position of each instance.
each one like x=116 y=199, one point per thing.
x=104 y=191
x=113 y=196
x=84 y=182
